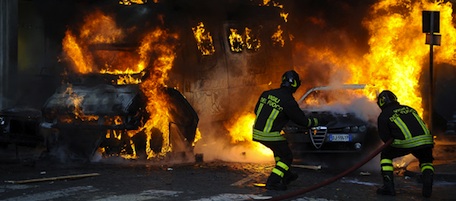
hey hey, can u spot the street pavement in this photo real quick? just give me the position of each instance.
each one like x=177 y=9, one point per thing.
x=25 y=177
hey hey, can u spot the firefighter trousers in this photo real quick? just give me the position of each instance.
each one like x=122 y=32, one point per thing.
x=282 y=155
x=423 y=154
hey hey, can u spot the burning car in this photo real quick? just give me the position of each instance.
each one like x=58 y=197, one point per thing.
x=350 y=130
x=82 y=118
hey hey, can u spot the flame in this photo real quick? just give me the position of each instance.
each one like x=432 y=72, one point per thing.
x=75 y=102
x=154 y=54
x=129 y=2
x=251 y=41
x=282 y=14
x=75 y=53
x=197 y=137
x=236 y=41
x=158 y=103
x=98 y=37
x=203 y=39
x=241 y=132
x=277 y=37
x=247 y=40
x=398 y=55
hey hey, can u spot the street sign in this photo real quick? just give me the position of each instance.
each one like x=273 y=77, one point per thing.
x=431 y=21
x=435 y=40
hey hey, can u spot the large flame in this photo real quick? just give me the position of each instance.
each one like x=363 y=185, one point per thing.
x=398 y=54
x=158 y=104
x=241 y=132
x=95 y=42
x=97 y=38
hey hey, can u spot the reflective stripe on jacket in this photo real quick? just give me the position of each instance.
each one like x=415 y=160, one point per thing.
x=403 y=123
x=267 y=136
x=274 y=109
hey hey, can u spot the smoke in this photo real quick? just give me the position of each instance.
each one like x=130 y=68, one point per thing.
x=216 y=147
x=364 y=109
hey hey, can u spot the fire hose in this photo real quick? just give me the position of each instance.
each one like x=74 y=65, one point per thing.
x=331 y=180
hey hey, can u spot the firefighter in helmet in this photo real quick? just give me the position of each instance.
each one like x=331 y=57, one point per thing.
x=273 y=110
x=410 y=135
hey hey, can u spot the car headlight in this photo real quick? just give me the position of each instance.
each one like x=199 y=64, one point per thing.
x=354 y=129
x=346 y=129
x=362 y=128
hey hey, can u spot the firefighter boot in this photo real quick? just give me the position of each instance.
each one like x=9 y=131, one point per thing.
x=388 y=184
x=289 y=177
x=275 y=183
x=427 y=178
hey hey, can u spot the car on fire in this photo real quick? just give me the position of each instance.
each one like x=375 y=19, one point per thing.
x=91 y=114
x=351 y=127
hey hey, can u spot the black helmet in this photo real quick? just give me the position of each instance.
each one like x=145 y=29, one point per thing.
x=291 y=80
x=386 y=97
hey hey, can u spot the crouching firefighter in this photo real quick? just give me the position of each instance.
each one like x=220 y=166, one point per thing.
x=273 y=110
x=410 y=135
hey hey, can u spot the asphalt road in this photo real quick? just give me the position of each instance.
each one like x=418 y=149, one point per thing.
x=23 y=177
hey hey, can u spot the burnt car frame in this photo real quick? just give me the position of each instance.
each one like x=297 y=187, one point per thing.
x=346 y=131
x=106 y=112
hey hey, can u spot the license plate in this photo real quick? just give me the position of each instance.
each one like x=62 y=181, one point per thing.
x=339 y=138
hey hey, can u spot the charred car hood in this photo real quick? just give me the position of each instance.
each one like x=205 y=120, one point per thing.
x=337 y=120
x=103 y=105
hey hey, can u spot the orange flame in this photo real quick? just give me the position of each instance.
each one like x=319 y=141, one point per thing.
x=203 y=39
x=247 y=40
x=158 y=104
x=129 y=2
x=236 y=41
x=98 y=36
x=75 y=101
x=251 y=41
x=96 y=41
x=397 y=53
x=277 y=37
x=241 y=132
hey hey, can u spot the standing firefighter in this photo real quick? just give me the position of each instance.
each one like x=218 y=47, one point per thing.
x=410 y=135
x=273 y=110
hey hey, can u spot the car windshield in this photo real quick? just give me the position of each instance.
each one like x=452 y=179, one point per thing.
x=330 y=97
x=342 y=99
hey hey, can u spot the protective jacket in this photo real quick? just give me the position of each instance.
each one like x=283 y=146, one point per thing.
x=404 y=125
x=273 y=110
